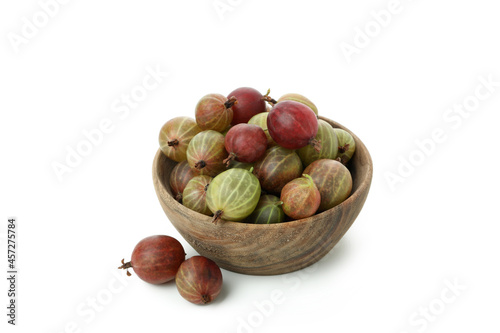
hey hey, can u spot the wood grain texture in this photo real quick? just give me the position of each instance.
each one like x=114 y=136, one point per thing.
x=267 y=249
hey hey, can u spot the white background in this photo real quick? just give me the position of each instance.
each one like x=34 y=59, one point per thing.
x=436 y=226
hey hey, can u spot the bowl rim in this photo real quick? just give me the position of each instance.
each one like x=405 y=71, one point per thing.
x=364 y=186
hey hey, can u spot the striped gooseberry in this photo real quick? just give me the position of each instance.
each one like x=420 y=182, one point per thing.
x=276 y=168
x=346 y=145
x=214 y=112
x=179 y=177
x=206 y=153
x=175 y=136
x=329 y=145
x=233 y=195
x=194 y=195
x=333 y=180
x=199 y=280
x=300 y=197
x=260 y=119
x=268 y=211
x=299 y=98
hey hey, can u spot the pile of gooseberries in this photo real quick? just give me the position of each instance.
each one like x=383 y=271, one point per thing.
x=246 y=157
x=159 y=259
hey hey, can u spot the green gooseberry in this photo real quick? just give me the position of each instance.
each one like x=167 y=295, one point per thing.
x=260 y=119
x=233 y=195
x=240 y=165
x=329 y=145
x=347 y=145
x=268 y=211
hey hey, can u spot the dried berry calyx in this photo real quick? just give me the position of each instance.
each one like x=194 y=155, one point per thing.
x=344 y=148
x=200 y=164
x=126 y=266
x=217 y=216
x=316 y=144
x=172 y=143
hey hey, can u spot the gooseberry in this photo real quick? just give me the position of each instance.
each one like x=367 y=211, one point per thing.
x=268 y=211
x=249 y=102
x=347 y=145
x=194 y=195
x=300 y=198
x=233 y=194
x=276 y=168
x=179 y=177
x=175 y=136
x=206 y=153
x=333 y=180
x=260 y=119
x=293 y=125
x=245 y=143
x=199 y=280
x=329 y=145
x=155 y=259
x=299 y=98
x=214 y=112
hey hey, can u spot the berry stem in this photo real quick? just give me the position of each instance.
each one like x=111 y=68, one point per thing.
x=230 y=102
x=217 y=216
x=231 y=157
x=268 y=98
x=172 y=143
x=206 y=187
x=305 y=175
x=178 y=197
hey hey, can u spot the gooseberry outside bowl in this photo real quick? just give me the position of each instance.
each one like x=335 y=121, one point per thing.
x=267 y=249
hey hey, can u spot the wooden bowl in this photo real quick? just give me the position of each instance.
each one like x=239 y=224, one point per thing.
x=271 y=248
